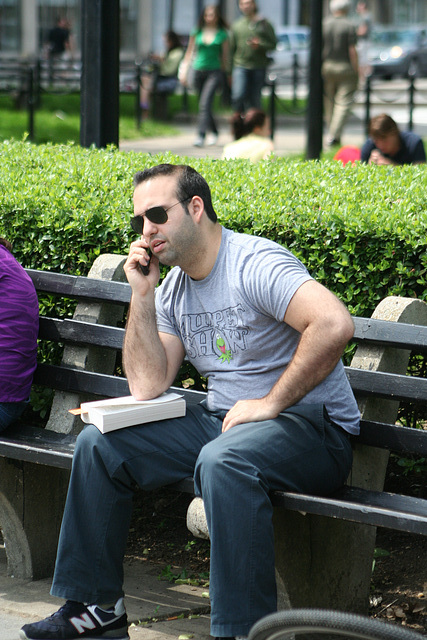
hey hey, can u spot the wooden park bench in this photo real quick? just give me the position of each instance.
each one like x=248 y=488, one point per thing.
x=324 y=545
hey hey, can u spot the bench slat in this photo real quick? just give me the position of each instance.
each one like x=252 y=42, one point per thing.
x=387 y=385
x=393 y=437
x=34 y=444
x=392 y=334
x=101 y=384
x=392 y=337
x=79 y=332
x=366 y=329
x=81 y=287
x=379 y=509
x=374 y=383
x=80 y=381
x=376 y=508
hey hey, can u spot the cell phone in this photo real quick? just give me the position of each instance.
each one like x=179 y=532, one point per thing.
x=145 y=268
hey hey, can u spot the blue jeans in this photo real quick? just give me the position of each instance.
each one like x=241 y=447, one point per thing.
x=246 y=87
x=11 y=411
x=233 y=472
x=206 y=83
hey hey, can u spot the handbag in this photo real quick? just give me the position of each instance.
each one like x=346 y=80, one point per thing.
x=186 y=73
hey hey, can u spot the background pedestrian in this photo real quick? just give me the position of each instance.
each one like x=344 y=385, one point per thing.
x=252 y=38
x=340 y=69
x=208 y=45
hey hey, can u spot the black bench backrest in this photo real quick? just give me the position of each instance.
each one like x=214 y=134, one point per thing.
x=80 y=287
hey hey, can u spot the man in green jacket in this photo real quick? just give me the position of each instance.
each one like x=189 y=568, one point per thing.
x=252 y=37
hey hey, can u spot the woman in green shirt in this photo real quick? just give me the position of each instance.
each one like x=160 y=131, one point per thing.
x=209 y=43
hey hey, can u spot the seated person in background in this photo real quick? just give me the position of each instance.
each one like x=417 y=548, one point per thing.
x=251 y=136
x=388 y=145
x=19 y=325
x=164 y=78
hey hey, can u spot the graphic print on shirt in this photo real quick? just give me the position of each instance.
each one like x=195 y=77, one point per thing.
x=225 y=354
x=220 y=333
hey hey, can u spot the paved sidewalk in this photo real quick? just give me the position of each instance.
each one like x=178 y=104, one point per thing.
x=290 y=139
x=290 y=136
x=160 y=604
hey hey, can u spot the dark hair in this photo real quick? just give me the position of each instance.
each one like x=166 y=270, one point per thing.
x=244 y=123
x=173 y=40
x=6 y=244
x=255 y=5
x=221 y=22
x=382 y=126
x=189 y=183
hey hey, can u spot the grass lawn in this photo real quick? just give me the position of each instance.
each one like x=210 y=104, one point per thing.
x=57 y=118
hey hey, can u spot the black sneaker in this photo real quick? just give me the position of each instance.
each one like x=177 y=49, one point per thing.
x=76 y=620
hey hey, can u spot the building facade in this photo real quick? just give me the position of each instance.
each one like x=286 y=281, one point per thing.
x=24 y=24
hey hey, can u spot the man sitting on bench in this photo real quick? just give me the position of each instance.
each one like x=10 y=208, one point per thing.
x=277 y=414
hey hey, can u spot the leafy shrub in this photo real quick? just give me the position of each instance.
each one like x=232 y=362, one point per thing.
x=361 y=230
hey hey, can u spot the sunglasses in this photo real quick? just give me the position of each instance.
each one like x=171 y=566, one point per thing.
x=158 y=215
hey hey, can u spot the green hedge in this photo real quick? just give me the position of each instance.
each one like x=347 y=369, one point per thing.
x=361 y=230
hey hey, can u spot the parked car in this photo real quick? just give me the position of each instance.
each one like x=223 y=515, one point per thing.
x=293 y=42
x=398 y=51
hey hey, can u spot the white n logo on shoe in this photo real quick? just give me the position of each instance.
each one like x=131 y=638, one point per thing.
x=83 y=623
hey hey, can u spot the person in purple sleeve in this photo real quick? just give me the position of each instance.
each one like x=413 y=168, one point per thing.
x=19 y=325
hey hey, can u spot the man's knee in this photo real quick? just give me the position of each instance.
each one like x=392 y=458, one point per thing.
x=208 y=458
x=211 y=464
x=89 y=440
x=220 y=464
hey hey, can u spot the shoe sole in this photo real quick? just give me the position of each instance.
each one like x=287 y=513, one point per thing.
x=108 y=635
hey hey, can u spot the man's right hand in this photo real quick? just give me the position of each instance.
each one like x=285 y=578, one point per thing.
x=377 y=157
x=137 y=258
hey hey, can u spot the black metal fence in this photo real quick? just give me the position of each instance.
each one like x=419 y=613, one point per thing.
x=294 y=76
x=377 y=92
x=28 y=80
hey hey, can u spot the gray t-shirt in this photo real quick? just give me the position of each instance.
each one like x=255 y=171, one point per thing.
x=231 y=325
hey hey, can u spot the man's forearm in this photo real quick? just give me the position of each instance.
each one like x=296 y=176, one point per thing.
x=313 y=361
x=144 y=357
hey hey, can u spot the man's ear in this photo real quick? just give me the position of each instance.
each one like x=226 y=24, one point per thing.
x=198 y=207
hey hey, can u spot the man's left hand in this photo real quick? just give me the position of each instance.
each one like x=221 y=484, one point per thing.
x=249 y=411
